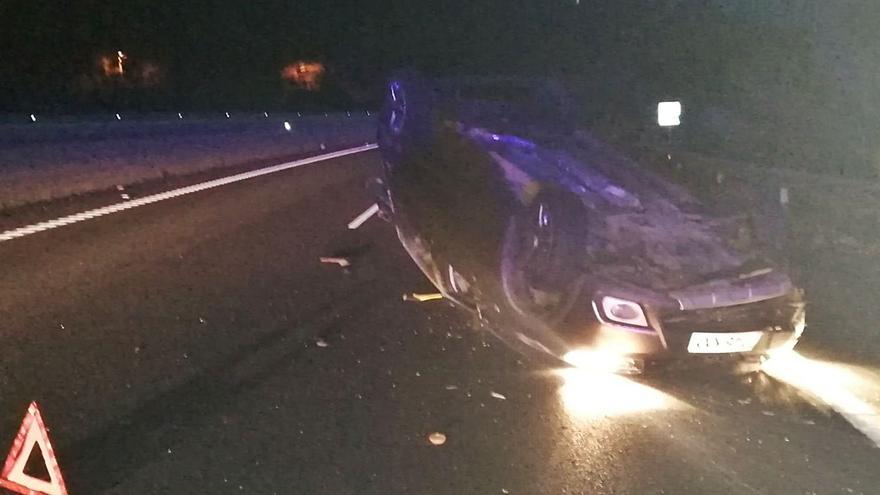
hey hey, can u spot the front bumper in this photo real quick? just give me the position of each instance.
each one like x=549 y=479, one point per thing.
x=780 y=321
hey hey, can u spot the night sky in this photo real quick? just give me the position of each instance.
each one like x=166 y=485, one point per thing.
x=781 y=59
x=212 y=50
x=229 y=53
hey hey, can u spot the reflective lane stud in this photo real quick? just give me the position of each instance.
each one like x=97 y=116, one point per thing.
x=13 y=478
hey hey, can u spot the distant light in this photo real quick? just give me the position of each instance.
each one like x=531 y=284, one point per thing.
x=287 y=126
x=348 y=114
x=179 y=115
x=368 y=112
x=669 y=113
x=299 y=114
x=118 y=117
x=266 y=114
x=33 y=118
x=304 y=74
x=227 y=115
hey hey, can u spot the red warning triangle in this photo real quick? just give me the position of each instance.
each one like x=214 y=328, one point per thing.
x=32 y=432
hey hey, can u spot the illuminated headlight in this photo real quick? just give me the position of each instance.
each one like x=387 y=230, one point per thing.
x=800 y=323
x=622 y=311
x=603 y=361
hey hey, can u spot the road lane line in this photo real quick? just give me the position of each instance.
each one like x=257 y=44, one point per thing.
x=846 y=389
x=363 y=217
x=154 y=198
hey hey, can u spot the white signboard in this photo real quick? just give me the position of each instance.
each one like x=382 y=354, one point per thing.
x=669 y=113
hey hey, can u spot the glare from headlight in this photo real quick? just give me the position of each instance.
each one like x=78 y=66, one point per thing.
x=601 y=360
x=852 y=391
x=589 y=395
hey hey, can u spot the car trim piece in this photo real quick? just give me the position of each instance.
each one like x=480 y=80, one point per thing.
x=727 y=293
x=620 y=326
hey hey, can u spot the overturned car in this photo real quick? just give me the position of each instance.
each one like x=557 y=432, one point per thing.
x=561 y=245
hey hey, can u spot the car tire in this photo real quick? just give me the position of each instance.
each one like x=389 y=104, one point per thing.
x=538 y=298
x=406 y=120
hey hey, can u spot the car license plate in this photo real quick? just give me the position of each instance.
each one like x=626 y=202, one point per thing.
x=719 y=343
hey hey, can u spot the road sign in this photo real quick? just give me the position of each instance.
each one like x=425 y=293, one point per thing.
x=669 y=113
x=13 y=478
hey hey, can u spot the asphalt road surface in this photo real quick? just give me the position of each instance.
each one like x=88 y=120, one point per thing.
x=197 y=345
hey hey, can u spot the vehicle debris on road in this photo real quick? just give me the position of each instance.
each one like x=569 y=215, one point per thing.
x=437 y=438
x=414 y=297
x=343 y=262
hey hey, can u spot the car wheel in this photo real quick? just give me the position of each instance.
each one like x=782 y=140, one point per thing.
x=405 y=120
x=541 y=270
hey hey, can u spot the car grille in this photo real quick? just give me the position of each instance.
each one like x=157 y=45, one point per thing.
x=771 y=314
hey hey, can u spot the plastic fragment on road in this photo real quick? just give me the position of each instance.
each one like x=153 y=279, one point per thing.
x=321 y=343
x=422 y=297
x=363 y=217
x=32 y=432
x=343 y=262
x=498 y=396
x=437 y=438
x=451 y=387
x=124 y=196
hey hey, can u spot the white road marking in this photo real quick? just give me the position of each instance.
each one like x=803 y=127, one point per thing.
x=363 y=217
x=127 y=205
x=852 y=391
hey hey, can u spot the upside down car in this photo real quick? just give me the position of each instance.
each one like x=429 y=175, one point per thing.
x=563 y=246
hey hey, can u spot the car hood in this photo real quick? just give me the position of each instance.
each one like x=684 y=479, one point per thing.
x=644 y=230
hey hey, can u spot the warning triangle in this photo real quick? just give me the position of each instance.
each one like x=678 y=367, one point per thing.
x=32 y=432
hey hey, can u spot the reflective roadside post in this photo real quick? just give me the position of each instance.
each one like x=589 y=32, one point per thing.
x=669 y=117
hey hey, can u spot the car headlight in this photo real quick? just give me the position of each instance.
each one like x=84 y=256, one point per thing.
x=622 y=311
x=603 y=360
